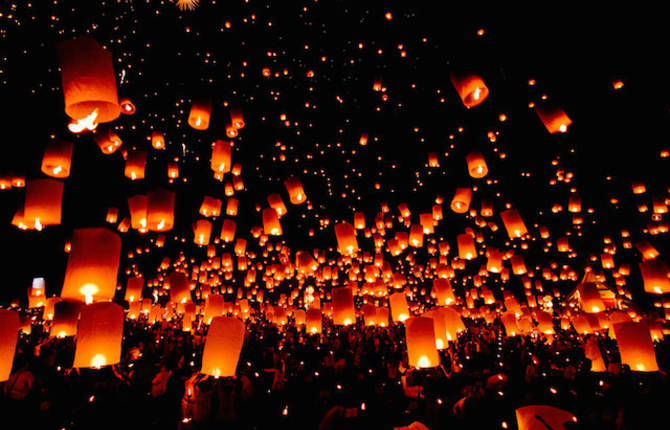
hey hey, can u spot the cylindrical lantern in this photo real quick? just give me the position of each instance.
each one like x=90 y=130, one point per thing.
x=399 y=309
x=553 y=118
x=420 y=337
x=202 y=229
x=221 y=156
x=222 y=347
x=136 y=164
x=461 y=201
x=344 y=312
x=466 y=247
x=346 y=238
x=198 y=117
x=9 y=334
x=655 y=276
x=57 y=159
x=443 y=292
x=313 y=321
x=476 y=164
x=137 y=206
x=134 y=287
x=99 y=335
x=513 y=223
x=180 y=289
x=107 y=141
x=636 y=346
x=271 y=225
x=66 y=316
x=89 y=83
x=44 y=199
x=470 y=88
x=160 y=209
x=92 y=266
x=296 y=193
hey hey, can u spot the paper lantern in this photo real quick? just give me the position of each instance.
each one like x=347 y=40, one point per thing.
x=346 y=238
x=509 y=321
x=231 y=207
x=57 y=159
x=470 y=88
x=553 y=118
x=476 y=165
x=89 y=83
x=221 y=156
x=157 y=140
x=271 y=225
x=236 y=118
x=107 y=141
x=180 y=289
x=202 y=229
x=461 y=201
x=160 y=209
x=420 y=338
x=359 y=220
x=222 y=347
x=43 y=203
x=137 y=206
x=66 y=316
x=136 y=164
x=399 y=308
x=134 y=287
x=513 y=223
x=589 y=297
x=127 y=106
x=213 y=307
x=198 y=117
x=636 y=346
x=92 y=266
x=275 y=202
x=443 y=292
x=296 y=193
x=344 y=312
x=655 y=276
x=314 y=318
x=228 y=230
x=466 y=247
x=453 y=323
x=439 y=326
x=99 y=335
x=416 y=236
x=540 y=417
x=9 y=334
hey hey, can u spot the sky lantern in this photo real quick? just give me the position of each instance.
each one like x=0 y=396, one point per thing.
x=655 y=276
x=295 y=191
x=66 y=316
x=180 y=289
x=92 y=266
x=9 y=334
x=210 y=207
x=346 y=238
x=228 y=230
x=453 y=323
x=421 y=346
x=136 y=164
x=271 y=224
x=589 y=297
x=553 y=118
x=89 y=82
x=443 y=292
x=359 y=220
x=476 y=165
x=57 y=159
x=127 y=106
x=399 y=308
x=313 y=324
x=647 y=250
x=461 y=201
x=416 y=236
x=592 y=352
x=439 y=326
x=213 y=307
x=43 y=203
x=275 y=201
x=466 y=247
x=513 y=223
x=636 y=346
x=99 y=335
x=344 y=312
x=198 y=116
x=160 y=209
x=541 y=417
x=222 y=346
x=236 y=118
x=509 y=321
x=157 y=140
x=138 y=206
x=108 y=141
x=202 y=229
x=221 y=156
x=134 y=287
x=470 y=88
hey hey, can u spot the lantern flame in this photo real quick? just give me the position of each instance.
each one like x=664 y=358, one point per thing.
x=89 y=123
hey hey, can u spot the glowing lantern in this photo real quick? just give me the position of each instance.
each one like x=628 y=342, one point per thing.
x=57 y=158
x=89 y=83
x=198 y=117
x=43 y=203
x=399 y=309
x=416 y=236
x=510 y=322
x=295 y=191
x=180 y=290
x=160 y=210
x=540 y=417
x=157 y=140
x=443 y=291
x=275 y=202
x=461 y=201
x=344 y=312
x=135 y=165
x=476 y=165
x=202 y=229
x=99 y=335
x=421 y=347
x=134 y=287
x=271 y=224
x=137 y=206
x=108 y=141
x=655 y=276
x=513 y=223
x=470 y=88
x=221 y=156
x=466 y=247
x=313 y=324
x=66 y=315
x=172 y=170
x=210 y=207
x=92 y=266
x=9 y=334
x=236 y=118
x=228 y=230
x=222 y=347
x=636 y=346
x=213 y=307
x=453 y=323
x=553 y=118
x=346 y=238
x=439 y=326
x=647 y=250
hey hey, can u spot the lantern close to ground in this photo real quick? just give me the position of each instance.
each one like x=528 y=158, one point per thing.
x=344 y=312
x=636 y=346
x=222 y=346
x=421 y=347
x=99 y=335
x=295 y=191
x=399 y=309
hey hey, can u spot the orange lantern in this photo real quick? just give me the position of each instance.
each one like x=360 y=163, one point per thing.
x=313 y=324
x=160 y=210
x=421 y=347
x=89 y=83
x=92 y=266
x=636 y=346
x=466 y=247
x=295 y=191
x=346 y=238
x=271 y=224
x=236 y=118
x=210 y=207
x=127 y=106
x=513 y=223
x=470 y=88
x=180 y=290
x=476 y=165
x=99 y=335
x=9 y=334
x=461 y=201
x=344 y=312
x=443 y=292
x=655 y=276
x=553 y=118
x=275 y=202
x=137 y=206
x=228 y=230
x=108 y=141
x=221 y=156
x=157 y=140
x=43 y=203
x=66 y=316
x=202 y=229
x=222 y=346
x=57 y=158
x=134 y=287
x=135 y=164
x=198 y=117
x=399 y=309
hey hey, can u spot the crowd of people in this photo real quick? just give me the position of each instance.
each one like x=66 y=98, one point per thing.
x=353 y=377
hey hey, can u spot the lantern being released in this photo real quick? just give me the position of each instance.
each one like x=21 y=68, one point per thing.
x=344 y=312
x=89 y=84
x=421 y=346
x=223 y=346
x=92 y=266
x=470 y=88
x=636 y=346
x=9 y=334
x=99 y=335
